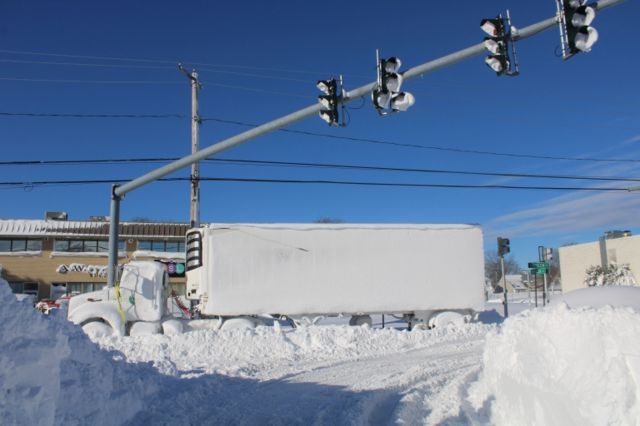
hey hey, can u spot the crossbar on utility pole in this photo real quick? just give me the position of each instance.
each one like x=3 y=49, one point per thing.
x=309 y=111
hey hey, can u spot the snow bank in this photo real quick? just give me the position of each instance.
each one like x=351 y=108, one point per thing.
x=267 y=352
x=561 y=366
x=597 y=297
x=50 y=373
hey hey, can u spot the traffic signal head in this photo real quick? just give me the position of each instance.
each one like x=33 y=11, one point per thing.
x=328 y=87
x=493 y=27
x=391 y=65
x=402 y=101
x=387 y=97
x=577 y=34
x=498 y=63
x=503 y=246
x=329 y=101
x=498 y=45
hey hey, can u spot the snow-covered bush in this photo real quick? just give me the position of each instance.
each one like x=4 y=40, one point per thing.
x=612 y=274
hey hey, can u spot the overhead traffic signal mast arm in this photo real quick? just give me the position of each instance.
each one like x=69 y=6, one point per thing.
x=119 y=191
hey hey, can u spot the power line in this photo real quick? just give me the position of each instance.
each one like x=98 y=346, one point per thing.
x=71 y=115
x=419 y=170
x=318 y=165
x=159 y=82
x=163 y=67
x=156 y=61
x=430 y=147
x=330 y=136
x=32 y=184
x=48 y=80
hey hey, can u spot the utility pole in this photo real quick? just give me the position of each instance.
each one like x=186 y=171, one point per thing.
x=194 y=210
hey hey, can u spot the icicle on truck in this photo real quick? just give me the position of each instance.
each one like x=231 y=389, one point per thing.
x=239 y=273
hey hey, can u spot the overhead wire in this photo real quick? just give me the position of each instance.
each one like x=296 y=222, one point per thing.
x=73 y=115
x=200 y=70
x=429 y=147
x=360 y=167
x=157 y=61
x=32 y=184
x=331 y=136
x=74 y=81
x=159 y=82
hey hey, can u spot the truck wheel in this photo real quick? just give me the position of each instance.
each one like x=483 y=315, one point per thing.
x=241 y=323
x=359 y=320
x=97 y=329
x=448 y=319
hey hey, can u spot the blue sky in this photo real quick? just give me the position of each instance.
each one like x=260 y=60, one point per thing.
x=263 y=61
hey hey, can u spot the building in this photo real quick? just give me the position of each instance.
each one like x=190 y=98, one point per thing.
x=56 y=256
x=615 y=247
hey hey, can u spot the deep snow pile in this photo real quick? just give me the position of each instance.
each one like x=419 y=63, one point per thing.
x=562 y=366
x=51 y=373
x=272 y=352
x=558 y=365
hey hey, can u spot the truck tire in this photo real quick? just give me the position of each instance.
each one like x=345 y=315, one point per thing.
x=359 y=320
x=448 y=319
x=104 y=312
x=239 y=323
x=97 y=329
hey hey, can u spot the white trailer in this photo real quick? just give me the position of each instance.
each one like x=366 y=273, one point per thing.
x=418 y=271
x=431 y=275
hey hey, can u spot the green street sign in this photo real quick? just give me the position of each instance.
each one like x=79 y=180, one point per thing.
x=538 y=270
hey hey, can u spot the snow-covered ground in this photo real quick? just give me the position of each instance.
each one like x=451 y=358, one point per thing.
x=558 y=365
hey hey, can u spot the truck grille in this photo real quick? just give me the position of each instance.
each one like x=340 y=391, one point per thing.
x=194 y=250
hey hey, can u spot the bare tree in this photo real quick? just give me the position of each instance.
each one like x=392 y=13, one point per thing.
x=329 y=220
x=493 y=269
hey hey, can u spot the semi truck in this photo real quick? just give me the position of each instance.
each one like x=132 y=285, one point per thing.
x=427 y=274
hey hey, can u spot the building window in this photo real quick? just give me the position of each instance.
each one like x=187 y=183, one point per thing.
x=20 y=244
x=24 y=288
x=85 y=246
x=79 y=288
x=164 y=246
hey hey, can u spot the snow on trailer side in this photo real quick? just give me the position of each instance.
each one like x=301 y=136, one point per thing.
x=334 y=268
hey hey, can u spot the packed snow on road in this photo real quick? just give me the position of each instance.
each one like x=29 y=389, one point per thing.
x=568 y=363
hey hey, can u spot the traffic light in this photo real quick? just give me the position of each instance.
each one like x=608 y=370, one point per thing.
x=498 y=43
x=548 y=254
x=503 y=246
x=576 y=33
x=329 y=101
x=387 y=97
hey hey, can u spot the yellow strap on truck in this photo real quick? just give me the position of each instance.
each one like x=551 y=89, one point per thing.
x=118 y=298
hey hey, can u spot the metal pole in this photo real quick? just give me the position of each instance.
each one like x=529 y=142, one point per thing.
x=544 y=289
x=194 y=214
x=114 y=223
x=316 y=107
x=536 y=287
x=541 y=258
x=504 y=288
